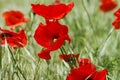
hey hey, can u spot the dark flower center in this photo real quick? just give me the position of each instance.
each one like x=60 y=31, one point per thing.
x=3 y=35
x=55 y=38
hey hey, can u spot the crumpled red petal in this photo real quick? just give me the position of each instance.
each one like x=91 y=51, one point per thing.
x=14 y=39
x=66 y=57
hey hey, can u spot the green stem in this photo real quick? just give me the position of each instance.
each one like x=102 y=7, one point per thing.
x=103 y=46
x=37 y=70
x=90 y=21
x=0 y=57
x=61 y=51
x=64 y=49
x=16 y=62
x=16 y=75
x=71 y=49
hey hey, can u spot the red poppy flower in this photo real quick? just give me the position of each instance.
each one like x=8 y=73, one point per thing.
x=116 y=22
x=14 y=18
x=68 y=57
x=51 y=36
x=81 y=73
x=53 y=11
x=13 y=39
x=108 y=5
x=86 y=71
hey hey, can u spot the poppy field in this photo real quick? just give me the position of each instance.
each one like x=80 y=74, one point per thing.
x=59 y=40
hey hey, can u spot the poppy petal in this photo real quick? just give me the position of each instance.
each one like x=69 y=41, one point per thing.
x=84 y=61
x=117 y=13
x=59 y=42
x=46 y=34
x=14 y=39
x=82 y=72
x=99 y=75
x=116 y=22
x=107 y=5
x=14 y=18
x=56 y=11
x=45 y=54
x=43 y=36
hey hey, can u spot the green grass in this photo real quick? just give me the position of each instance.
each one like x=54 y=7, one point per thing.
x=88 y=32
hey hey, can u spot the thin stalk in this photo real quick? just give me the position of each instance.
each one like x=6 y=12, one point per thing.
x=37 y=70
x=61 y=51
x=90 y=21
x=89 y=18
x=31 y=19
x=29 y=54
x=9 y=74
x=16 y=75
x=16 y=62
x=4 y=72
x=64 y=49
x=71 y=49
x=48 y=72
x=0 y=57
x=103 y=46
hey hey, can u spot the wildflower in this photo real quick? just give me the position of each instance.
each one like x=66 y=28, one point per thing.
x=51 y=36
x=82 y=72
x=86 y=71
x=13 y=39
x=116 y=22
x=108 y=5
x=53 y=11
x=14 y=18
